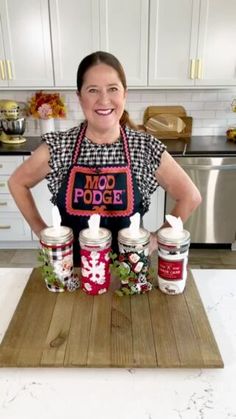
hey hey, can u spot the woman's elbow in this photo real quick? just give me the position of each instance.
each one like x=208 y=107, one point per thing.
x=196 y=199
x=13 y=183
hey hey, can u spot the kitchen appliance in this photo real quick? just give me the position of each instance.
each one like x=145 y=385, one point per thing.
x=214 y=221
x=13 y=121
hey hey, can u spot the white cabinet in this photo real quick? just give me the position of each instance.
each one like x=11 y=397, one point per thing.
x=13 y=227
x=192 y=43
x=75 y=33
x=217 y=43
x=25 y=44
x=124 y=33
x=173 y=41
x=80 y=28
x=14 y=230
x=154 y=218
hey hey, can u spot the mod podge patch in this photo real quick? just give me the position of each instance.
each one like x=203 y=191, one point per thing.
x=107 y=191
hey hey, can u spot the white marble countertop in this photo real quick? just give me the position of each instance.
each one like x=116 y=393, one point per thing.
x=78 y=393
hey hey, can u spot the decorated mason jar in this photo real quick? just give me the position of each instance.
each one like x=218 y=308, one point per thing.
x=57 y=257
x=134 y=258
x=173 y=249
x=95 y=260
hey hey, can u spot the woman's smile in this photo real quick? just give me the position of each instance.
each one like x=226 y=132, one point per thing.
x=104 y=112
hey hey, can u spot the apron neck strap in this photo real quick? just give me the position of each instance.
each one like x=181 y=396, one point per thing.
x=82 y=134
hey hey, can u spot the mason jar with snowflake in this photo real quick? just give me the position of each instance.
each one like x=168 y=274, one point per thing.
x=95 y=260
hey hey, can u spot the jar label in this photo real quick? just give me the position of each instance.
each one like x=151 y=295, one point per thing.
x=171 y=270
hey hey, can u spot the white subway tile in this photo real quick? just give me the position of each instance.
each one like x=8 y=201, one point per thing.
x=213 y=123
x=178 y=97
x=133 y=96
x=193 y=106
x=202 y=114
x=225 y=106
x=202 y=131
x=228 y=95
x=154 y=98
x=222 y=114
x=204 y=95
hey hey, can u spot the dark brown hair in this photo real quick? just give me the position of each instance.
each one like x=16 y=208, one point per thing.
x=102 y=57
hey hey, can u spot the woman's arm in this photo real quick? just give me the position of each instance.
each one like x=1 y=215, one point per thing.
x=27 y=175
x=180 y=187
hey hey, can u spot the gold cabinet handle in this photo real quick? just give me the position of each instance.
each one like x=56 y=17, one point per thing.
x=2 y=184
x=1 y=166
x=2 y=70
x=192 y=69
x=3 y=204
x=6 y=227
x=9 y=70
x=199 y=68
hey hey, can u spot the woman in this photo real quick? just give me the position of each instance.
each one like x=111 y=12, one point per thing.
x=104 y=165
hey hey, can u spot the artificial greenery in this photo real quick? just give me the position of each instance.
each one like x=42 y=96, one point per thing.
x=47 y=269
x=127 y=277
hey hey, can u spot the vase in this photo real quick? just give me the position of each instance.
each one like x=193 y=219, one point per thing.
x=46 y=125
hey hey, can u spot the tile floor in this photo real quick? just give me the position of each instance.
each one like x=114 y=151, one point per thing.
x=198 y=258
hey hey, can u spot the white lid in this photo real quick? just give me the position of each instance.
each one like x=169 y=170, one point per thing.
x=52 y=235
x=172 y=236
x=126 y=236
x=86 y=236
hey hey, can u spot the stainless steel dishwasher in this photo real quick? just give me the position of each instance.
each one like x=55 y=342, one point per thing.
x=214 y=221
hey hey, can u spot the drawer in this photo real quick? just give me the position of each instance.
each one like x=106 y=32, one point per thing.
x=9 y=163
x=7 y=203
x=13 y=227
x=3 y=185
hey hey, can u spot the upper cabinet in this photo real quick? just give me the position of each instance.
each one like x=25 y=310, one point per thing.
x=82 y=27
x=124 y=33
x=173 y=42
x=75 y=33
x=216 y=54
x=192 y=43
x=161 y=43
x=25 y=45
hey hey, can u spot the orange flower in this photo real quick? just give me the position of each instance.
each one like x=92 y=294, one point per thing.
x=46 y=105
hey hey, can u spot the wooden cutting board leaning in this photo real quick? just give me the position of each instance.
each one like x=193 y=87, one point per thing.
x=167 y=122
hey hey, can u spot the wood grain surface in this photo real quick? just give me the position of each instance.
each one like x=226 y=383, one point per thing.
x=78 y=330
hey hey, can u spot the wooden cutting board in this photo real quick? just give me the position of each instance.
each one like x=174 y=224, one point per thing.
x=77 y=330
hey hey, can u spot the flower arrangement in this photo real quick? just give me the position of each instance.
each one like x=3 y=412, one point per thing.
x=46 y=105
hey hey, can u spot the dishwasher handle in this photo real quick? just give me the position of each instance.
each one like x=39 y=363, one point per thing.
x=209 y=166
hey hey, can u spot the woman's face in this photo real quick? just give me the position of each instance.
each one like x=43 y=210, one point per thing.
x=102 y=98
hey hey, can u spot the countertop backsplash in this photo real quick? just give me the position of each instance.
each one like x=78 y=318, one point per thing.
x=210 y=109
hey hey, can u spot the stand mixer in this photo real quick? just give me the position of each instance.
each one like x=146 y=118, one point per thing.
x=12 y=121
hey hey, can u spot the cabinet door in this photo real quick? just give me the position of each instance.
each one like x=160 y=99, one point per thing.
x=217 y=43
x=124 y=33
x=26 y=37
x=75 y=34
x=3 y=80
x=173 y=42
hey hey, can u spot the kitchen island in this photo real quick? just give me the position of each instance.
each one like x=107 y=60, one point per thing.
x=127 y=393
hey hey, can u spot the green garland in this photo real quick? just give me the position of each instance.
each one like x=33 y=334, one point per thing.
x=47 y=270
x=126 y=276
